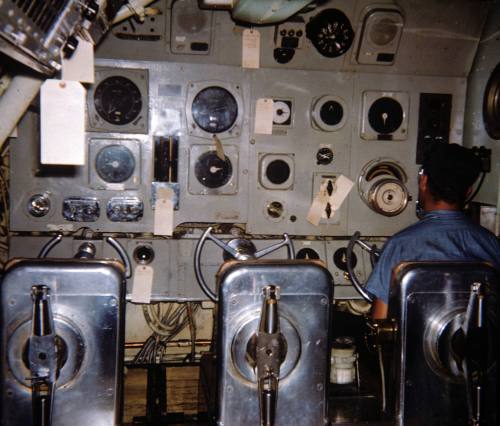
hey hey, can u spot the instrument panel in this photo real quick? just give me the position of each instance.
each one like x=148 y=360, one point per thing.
x=172 y=107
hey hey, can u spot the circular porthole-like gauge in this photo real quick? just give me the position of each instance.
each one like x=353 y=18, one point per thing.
x=382 y=186
x=117 y=100
x=385 y=115
x=115 y=163
x=214 y=109
x=278 y=172
x=211 y=171
x=491 y=104
x=330 y=32
x=328 y=114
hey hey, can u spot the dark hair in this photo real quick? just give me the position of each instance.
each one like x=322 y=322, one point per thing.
x=451 y=171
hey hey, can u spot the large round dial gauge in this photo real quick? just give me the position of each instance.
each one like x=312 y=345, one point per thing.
x=385 y=115
x=118 y=100
x=211 y=171
x=115 y=163
x=330 y=32
x=214 y=109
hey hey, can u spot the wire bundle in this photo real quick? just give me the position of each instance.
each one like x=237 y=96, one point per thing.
x=166 y=320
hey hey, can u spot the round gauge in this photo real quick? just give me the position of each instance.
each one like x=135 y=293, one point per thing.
x=328 y=113
x=307 y=253
x=282 y=112
x=385 y=115
x=118 y=100
x=211 y=171
x=388 y=197
x=331 y=113
x=491 y=104
x=115 y=163
x=330 y=32
x=214 y=109
x=324 y=156
x=278 y=172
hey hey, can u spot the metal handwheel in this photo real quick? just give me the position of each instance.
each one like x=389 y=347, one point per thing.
x=374 y=252
x=49 y=245
x=239 y=249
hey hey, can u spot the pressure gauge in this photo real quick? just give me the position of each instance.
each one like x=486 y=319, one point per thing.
x=282 y=114
x=214 y=109
x=118 y=100
x=115 y=163
x=211 y=171
x=328 y=113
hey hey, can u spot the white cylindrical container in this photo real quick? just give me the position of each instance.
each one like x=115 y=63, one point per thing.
x=343 y=361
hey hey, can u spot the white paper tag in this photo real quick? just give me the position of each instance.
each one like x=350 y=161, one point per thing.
x=264 y=111
x=341 y=189
x=164 y=212
x=251 y=49
x=142 y=284
x=319 y=204
x=62 y=123
x=80 y=67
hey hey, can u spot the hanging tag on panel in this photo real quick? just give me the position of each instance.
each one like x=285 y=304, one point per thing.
x=80 y=67
x=342 y=188
x=164 y=212
x=142 y=284
x=264 y=111
x=219 y=149
x=251 y=49
x=62 y=123
x=319 y=204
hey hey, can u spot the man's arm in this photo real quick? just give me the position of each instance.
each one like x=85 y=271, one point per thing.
x=379 y=309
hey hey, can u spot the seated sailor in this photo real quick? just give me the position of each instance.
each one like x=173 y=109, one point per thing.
x=444 y=232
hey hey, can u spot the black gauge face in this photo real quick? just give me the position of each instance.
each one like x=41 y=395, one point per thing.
x=214 y=109
x=211 y=171
x=307 y=253
x=278 y=172
x=330 y=32
x=385 y=115
x=331 y=113
x=324 y=156
x=115 y=163
x=117 y=100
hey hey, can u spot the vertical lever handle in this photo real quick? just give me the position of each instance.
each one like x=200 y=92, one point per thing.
x=42 y=356
x=474 y=363
x=267 y=351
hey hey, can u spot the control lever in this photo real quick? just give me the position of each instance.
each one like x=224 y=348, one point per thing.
x=266 y=352
x=475 y=361
x=42 y=357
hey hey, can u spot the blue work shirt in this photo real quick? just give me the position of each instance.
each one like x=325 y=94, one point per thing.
x=440 y=235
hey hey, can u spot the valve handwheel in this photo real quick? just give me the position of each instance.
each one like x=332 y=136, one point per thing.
x=374 y=255
x=238 y=249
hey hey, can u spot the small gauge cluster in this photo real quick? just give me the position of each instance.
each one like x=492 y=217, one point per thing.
x=118 y=101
